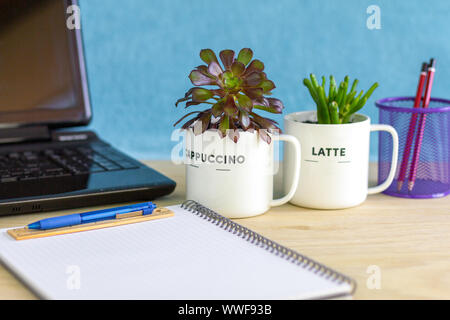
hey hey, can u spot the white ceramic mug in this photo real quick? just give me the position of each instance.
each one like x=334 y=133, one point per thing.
x=235 y=179
x=335 y=161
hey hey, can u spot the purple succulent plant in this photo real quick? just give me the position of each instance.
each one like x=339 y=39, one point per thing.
x=241 y=87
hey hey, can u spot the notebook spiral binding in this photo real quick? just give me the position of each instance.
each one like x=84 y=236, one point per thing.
x=266 y=243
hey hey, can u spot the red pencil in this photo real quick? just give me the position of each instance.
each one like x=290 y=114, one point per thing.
x=423 y=117
x=412 y=128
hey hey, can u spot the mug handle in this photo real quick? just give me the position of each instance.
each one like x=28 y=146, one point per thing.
x=297 y=160
x=390 y=178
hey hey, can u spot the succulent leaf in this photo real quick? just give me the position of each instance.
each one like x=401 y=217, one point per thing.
x=227 y=58
x=187 y=96
x=203 y=69
x=245 y=102
x=265 y=136
x=244 y=119
x=205 y=119
x=245 y=56
x=192 y=103
x=182 y=100
x=276 y=103
x=254 y=79
x=224 y=125
x=254 y=93
x=201 y=95
x=215 y=69
x=189 y=123
x=217 y=109
x=200 y=79
x=230 y=108
x=233 y=134
x=237 y=68
x=267 y=86
x=263 y=122
x=272 y=105
x=208 y=56
x=255 y=65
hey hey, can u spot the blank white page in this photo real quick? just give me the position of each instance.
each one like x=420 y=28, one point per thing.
x=182 y=257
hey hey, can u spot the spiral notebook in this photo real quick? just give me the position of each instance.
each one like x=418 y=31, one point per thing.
x=196 y=254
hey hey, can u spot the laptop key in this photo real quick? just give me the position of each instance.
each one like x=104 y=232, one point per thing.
x=10 y=179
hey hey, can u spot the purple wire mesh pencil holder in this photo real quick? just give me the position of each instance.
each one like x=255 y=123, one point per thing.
x=432 y=178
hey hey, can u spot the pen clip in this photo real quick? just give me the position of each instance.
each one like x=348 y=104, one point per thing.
x=143 y=212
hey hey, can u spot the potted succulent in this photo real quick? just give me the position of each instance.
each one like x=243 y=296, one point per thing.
x=228 y=146
x=335 y=146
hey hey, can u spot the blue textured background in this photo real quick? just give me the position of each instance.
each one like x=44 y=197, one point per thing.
x=140 y=52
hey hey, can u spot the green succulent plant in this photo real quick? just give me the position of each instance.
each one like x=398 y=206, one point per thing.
x=340 y=104
x=241 y=86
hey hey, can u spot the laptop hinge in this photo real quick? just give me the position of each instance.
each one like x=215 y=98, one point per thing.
x=23 y=134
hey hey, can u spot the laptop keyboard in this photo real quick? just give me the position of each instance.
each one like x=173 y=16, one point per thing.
x=50 y=163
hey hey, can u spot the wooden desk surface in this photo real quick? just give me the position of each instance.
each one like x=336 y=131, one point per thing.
x=408 y=240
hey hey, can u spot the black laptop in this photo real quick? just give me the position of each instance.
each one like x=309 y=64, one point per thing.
x=43 y=88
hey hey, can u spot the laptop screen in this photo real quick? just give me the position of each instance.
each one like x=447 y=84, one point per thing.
x=42 y=76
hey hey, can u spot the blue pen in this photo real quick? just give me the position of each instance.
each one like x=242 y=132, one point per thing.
x=93 y=216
